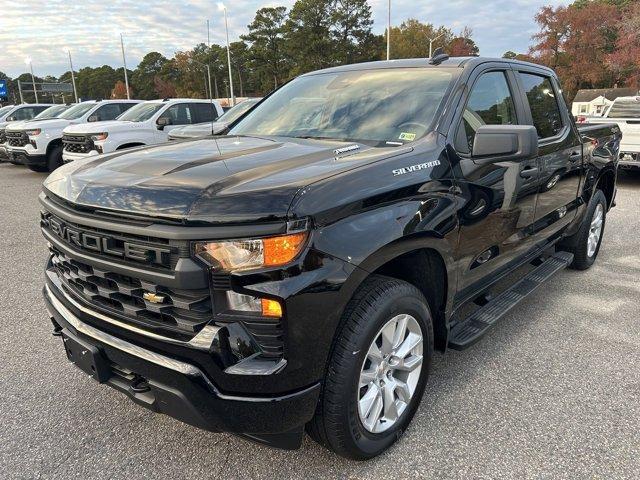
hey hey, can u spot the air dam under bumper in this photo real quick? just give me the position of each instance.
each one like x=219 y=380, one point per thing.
x=181 y=390
x=23 y=158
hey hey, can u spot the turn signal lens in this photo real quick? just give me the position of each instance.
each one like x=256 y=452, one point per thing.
x=251 y=253
x=33 y=133
x=271 y=308
x=98 y=137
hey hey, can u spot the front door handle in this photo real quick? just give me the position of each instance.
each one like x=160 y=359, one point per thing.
x=575 y=156
x=529 y=172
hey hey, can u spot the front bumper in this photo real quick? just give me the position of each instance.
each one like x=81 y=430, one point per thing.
x=71 y=156
x=24 y=157
x=3 y=153
x=182 y=390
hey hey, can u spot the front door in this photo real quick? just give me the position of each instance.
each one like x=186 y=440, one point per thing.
x=498 y=198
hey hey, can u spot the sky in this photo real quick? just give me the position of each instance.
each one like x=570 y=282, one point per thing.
x=91 y=28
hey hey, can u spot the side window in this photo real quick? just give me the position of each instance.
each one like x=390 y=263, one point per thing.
x=24 y=113
x=107 y=112
x=205 y=112
x=123 y=107
x=490 y=103
x=179 y=114
x=543 y=103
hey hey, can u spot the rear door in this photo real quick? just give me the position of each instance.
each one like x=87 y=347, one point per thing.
x=560 y=152
x=499 y=198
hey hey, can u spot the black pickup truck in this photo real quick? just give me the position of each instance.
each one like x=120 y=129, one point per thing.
x=299 y=272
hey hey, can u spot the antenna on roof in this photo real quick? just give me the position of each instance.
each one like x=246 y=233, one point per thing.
x=438 y=57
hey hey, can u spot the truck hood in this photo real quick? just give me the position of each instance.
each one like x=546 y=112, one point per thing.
x=217 y=179
x=52 y=123
x=110 y=126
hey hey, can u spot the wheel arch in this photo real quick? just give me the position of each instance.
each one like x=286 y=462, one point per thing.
x=130 y=145
x=57 y=142
x=607 y=183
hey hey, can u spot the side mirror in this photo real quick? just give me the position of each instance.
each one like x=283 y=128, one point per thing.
x=93 y=118
x=497 y=143
x=163 y=122
x=11 y=119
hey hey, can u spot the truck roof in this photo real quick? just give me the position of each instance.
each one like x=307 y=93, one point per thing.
x=452 y=62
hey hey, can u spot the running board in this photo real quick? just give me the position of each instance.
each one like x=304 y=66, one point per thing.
x=472 y=328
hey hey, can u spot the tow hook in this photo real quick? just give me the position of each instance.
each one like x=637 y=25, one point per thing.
x=139 y=385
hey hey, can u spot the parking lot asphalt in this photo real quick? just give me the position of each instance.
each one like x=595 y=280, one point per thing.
x=553 y=391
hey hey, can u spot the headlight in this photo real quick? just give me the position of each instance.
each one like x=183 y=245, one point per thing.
x=96 y=137
x=33 y=132
x=251 y=253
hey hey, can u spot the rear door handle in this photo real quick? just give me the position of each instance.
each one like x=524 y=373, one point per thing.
x=575 y=156
x=529 y=172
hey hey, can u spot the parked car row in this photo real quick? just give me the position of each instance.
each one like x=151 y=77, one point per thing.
x=44 y=136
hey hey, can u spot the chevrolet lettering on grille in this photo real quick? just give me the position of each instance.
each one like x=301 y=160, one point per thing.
x=105 y=244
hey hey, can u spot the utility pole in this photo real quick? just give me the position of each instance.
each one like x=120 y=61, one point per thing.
x=33 y=79
x=208 y=38
x=73 y=78
x=209 y=77
x=222 y=7
x=431 y=40
x=389 y=31
x=124 y=62
x=20 y=90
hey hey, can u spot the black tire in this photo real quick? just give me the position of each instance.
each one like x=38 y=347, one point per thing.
x=38 y=168
x=337 y=424
x=578 y=244
x=54 y=158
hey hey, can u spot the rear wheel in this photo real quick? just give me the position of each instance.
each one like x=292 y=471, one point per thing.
x=585 y=244
x=377 y=371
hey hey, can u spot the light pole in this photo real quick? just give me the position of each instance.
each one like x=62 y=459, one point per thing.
x=73 y=77
x=431 y=40
x=33 y=79
x=222 y=7
x=208 y=76
x=389 y=31
x=124 y=62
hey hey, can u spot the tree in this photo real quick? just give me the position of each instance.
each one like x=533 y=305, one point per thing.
x=351 y=20
x=120 y=90
x=144 y=75
x=266 y=39
x=309 y=42
x=411 y=39
x=624 y=61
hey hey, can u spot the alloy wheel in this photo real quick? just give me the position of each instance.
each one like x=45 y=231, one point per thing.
x=595 y=230
x=390 y=373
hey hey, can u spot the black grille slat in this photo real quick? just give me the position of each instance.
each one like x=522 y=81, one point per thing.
x=17 y=139
x=186 y=315
x=77 y=143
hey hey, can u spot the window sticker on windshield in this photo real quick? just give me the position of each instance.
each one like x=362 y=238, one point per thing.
x=409 y=137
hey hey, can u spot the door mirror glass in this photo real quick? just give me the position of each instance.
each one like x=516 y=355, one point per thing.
x=92 y=118
x=163 y=122
x=496 y=143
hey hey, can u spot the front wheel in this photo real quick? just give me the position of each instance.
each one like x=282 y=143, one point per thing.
x=585 y=244
x=377 y=371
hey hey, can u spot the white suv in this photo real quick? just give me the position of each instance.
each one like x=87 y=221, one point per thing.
x=38 y=144
x=145 y=124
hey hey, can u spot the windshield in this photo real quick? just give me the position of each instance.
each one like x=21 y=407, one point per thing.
x=384 y=106
x=236 y=112
x=141 y=112
x=5 y=110
x=51 y=112
x=625 y=108
x=76 y=111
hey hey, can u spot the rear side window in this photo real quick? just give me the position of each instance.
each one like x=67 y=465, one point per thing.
x=490 y=103
x=205 y=112
x=107 y=112
x=543 y=103
x=180 y=114
x=625 y=108
x=125 y=106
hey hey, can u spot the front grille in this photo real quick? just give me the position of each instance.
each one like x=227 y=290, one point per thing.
x=72 y=235
x=3 y=135
x=182 y=312
x=77 y=143
x=17 y=139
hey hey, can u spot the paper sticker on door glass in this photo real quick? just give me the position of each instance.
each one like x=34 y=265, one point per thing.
x=409 y=137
